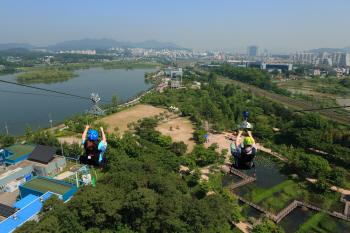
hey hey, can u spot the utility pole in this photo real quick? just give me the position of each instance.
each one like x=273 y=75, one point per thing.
x=62 y=149
x=50 y=121
x=7 y=131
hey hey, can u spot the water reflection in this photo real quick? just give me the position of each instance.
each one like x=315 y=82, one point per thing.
x=295 y=219
x=47 y=82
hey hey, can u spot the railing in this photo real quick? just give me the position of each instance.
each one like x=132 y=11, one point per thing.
x=284 y=212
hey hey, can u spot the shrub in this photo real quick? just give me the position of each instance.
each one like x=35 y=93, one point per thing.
x=290 y=191
x=276 y=203
x=329 y=225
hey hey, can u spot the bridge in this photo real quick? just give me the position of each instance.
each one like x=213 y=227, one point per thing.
x=284 y=212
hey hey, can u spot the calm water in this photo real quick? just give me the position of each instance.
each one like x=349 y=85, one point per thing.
x=19 y=109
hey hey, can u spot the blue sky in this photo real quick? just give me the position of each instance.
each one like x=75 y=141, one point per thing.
x=288 y=26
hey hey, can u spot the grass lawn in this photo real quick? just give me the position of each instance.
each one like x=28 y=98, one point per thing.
x=271 y=191
x=312 y=223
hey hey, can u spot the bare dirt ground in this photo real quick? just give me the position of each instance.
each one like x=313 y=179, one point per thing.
x=121 y=119
x=185 y=133
x=70 y=140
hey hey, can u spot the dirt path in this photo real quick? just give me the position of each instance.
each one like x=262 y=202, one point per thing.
x=245 y=227
x=70 y=140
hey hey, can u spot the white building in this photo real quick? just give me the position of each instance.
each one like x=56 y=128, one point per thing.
x=344 y=59
x=336 y=58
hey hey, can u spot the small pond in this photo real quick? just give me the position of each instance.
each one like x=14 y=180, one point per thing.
x=295 y=219
x=267 y=173
x=227 y=180
x=248 y=211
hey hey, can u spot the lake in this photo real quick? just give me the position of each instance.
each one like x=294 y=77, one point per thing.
x=19 y=109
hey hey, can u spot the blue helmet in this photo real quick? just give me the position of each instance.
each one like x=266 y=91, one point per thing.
x=92 y=135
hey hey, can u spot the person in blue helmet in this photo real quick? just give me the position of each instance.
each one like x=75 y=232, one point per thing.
x=94 y=148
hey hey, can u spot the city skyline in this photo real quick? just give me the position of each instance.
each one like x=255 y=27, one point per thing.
x=273 y=25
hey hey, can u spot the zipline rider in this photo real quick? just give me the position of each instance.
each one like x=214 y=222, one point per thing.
x=94 y=148
x=244 y=152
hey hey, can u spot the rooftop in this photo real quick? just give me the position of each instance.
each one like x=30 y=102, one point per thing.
x=25 y=201
x=23 y=215
x=45 y=185
x=20 y=150
x=23 y=164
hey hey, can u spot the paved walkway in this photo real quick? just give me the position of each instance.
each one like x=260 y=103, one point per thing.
x=9 y=198
x=63 y=175
x=334 y=188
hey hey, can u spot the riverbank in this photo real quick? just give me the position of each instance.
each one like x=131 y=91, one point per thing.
x=26 y=105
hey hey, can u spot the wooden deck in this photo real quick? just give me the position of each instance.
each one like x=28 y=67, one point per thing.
x=284 y=212
x=278 y=217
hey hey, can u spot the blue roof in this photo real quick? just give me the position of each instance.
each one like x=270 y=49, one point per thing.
x=25 y=201
x=23 y=215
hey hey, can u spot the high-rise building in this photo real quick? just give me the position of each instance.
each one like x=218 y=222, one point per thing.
x=322 y=54
x=336 y=58
x=252 y=51
x=304 y=56
x=345 y=59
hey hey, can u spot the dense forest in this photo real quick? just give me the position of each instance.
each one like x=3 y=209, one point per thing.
x=141 y=191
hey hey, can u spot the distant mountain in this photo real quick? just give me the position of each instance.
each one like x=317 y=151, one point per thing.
x=329 y=50
x=16 y=45
x=347 y=48
x=108 y=43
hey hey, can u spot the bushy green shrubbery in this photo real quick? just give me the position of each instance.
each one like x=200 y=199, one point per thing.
x=329 y=225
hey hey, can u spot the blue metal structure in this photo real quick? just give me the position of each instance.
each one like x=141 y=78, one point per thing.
x=24 y=191
x=28 y=212
x=76 y=179
x=8 y=154
x=25 y=201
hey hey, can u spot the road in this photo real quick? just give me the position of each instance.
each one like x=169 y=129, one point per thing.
x=295 y=104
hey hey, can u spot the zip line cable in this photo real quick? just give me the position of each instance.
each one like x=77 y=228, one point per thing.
x=26 y=93
x=42 y=89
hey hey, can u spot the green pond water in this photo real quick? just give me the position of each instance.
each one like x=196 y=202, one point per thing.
x=269 y=175
x=295 y=219
x=266 y=171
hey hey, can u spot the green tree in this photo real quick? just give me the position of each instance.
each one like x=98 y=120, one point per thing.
x=275 y=72
x=7 y=141
x=28 y=134
x=115 y=99
x=179 y=148
x=164 y=141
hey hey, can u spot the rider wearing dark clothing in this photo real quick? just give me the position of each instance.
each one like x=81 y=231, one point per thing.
x=94 y=148
x=244 y=152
